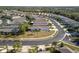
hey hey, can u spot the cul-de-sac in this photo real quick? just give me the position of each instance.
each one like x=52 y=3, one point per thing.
x=26 y=29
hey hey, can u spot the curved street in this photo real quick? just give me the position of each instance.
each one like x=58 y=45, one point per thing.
x=60 y=35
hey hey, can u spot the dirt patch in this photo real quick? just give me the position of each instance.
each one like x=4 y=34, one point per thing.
x=36 y=34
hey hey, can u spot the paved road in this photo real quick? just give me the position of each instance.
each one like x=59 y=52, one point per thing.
x=72 y=22
x=59 y=36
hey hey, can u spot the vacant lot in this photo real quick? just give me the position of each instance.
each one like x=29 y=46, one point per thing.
x=39 y=34
x=36 y=34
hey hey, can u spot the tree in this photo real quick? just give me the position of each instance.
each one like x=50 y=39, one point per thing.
x=17 y=46
x=58 y=18
x=6 y=17
x=23 y=27
x=0 y=34
x=30 y=19
x=7 y=47
x=1 y=11
x=49 y=24
x=34 y=49
x=76 y=29
x=11 y=51
x=61 y=44
x=54 y=44
x=52 y=50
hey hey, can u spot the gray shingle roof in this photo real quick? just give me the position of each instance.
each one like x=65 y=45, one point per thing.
x=5 y=30
x=8 y=28
x=18 y=20
x=46 y=28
